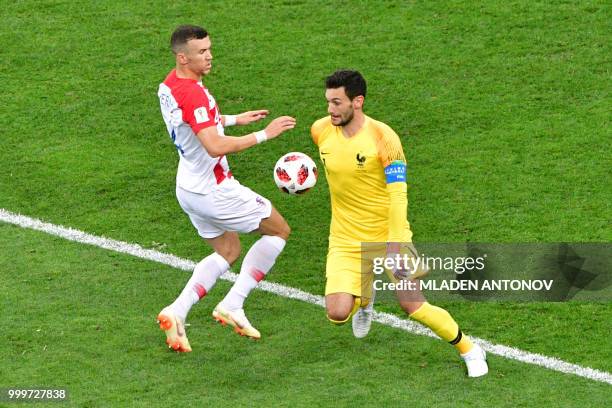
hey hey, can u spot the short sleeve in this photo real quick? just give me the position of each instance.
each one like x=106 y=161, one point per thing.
x=196 y=108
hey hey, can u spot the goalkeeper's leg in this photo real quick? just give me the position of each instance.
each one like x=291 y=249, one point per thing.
x=442 y=323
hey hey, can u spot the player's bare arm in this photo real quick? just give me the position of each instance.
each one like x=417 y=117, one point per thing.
x=218 y=145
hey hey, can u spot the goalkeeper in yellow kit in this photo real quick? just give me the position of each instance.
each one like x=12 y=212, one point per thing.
x=366 y=172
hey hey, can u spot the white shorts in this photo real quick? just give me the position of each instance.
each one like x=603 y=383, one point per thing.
x=230 y=207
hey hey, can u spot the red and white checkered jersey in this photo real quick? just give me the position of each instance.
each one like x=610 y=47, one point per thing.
x=187 y=108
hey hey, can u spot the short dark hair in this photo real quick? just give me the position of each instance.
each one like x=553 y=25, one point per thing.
x=353 y=82
x=183 y=34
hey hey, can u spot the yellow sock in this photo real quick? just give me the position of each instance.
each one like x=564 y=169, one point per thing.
x=443 y=324
x=356 y=306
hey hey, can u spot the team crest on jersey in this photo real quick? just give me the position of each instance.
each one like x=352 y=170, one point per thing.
x=201 y=115
x=360 y=160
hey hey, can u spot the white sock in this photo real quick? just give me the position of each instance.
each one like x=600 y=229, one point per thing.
x=257 y=262
x=204 y=277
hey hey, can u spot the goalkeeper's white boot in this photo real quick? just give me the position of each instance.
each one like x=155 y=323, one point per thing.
x=362 y=319
x=476 y=361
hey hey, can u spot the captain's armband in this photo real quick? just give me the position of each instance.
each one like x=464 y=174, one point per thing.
x=395 y=172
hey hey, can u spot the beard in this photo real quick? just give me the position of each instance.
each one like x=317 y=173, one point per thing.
x=345 y=121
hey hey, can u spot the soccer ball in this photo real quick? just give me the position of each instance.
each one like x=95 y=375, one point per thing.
x=295 y=173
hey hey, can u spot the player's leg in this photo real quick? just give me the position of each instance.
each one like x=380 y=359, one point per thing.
x=259 y=259
x=264 y=219
x=442 y=323
x=205 y=274
x=227 y=249
x=413 y=302
x=344 y=286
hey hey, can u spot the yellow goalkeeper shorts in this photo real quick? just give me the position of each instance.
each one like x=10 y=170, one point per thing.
x=351 y=270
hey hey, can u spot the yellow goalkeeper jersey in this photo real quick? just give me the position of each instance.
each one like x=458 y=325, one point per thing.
x=364 y=207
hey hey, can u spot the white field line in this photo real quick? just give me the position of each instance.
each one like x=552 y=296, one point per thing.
x=512 y=353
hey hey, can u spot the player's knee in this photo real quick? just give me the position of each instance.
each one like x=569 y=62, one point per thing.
x=338 y=315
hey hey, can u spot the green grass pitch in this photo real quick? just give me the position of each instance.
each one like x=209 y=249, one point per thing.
x=503 y=110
